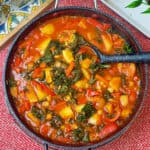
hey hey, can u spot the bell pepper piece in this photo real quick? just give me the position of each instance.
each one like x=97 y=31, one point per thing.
x=90 y=92
x=59 y=106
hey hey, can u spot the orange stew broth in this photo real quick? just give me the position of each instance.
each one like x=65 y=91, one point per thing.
x=60 y=88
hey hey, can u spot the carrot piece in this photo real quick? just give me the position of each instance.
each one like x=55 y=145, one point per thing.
x=70 y=68
x=108 y=129
x=82 y=100
x=58 y=106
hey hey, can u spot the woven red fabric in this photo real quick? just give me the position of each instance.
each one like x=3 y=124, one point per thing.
x=136 y=138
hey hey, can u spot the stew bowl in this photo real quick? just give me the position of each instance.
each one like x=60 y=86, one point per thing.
x=85 y=12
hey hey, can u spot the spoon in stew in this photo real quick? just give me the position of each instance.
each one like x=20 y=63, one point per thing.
x=142 y=57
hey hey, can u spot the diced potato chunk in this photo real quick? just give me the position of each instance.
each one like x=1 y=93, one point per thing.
x=48 y=75
x=43 y=45
x=125 y=113
x=47 y=29
x=108 y=108
x=48 y=116
x=32 y=97
x=45 y=104
x=78 y=108
x=86 y=73
x=82 y=84
x=33 y=119
x=13 y=91
x=115 y=83
x=129 y=69
x=68 y=56
x=86 y=63
x=124 y=100
x=107 y=42
x=66 y=112
x=95 y=119
x=40 y=93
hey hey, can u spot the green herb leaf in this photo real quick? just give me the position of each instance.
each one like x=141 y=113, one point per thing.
x=56 y=121
x=86 y=137
x=38 y=113
x=78 y=134
x=12 y=82
x=147 y=11
x=107 y=95
x=127 y=48
x=88 y=110
x=134 y=4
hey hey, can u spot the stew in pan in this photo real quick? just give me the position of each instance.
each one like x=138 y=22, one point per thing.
x=60 y=88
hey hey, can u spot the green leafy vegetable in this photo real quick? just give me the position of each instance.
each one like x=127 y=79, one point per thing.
x=88 y=110
x=12 y=82
x=97 y=66
x=134 y=4
x=56 y=45
x=137 y=3
x=78 y=134
x=56 y=121
x=81 y=117
x=147 y=11
x=38 y=113
x=86 y=137
x=127 y=48
x=107 y=95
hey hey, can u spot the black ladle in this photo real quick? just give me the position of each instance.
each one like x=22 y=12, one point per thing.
x=142 y=57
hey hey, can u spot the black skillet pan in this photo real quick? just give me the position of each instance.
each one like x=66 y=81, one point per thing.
x=86 y=12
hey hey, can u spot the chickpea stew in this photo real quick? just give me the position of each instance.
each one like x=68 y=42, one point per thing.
x=60 y=88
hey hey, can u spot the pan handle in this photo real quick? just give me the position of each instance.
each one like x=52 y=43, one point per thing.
x=95 y=4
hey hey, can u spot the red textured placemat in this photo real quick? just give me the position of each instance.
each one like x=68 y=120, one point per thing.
x=136 y=138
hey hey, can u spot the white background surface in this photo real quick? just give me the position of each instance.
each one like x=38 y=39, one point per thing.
x=132 y=15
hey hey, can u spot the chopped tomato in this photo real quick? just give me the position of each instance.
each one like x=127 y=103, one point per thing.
x=82 y=100
x=25 y=107
x=108 y=129
x=44 y=129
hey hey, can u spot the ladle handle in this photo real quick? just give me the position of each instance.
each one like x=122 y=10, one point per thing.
x=143 y=57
